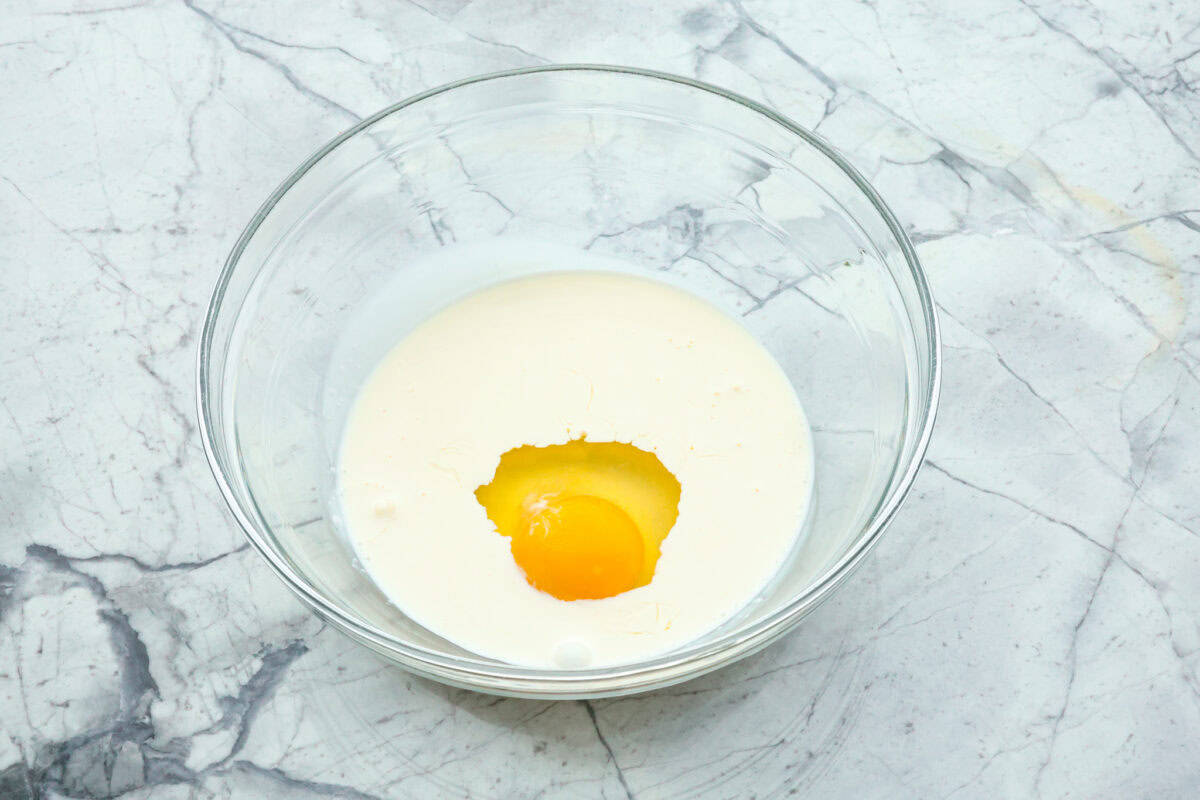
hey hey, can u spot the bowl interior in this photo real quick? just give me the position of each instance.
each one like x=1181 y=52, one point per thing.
x=560 y=170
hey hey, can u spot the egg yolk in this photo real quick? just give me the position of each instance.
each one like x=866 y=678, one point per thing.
x=585 y=519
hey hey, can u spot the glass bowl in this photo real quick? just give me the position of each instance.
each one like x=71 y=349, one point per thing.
x=668 y=176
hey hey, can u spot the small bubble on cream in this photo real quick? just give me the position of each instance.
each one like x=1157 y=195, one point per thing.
x=572 y=654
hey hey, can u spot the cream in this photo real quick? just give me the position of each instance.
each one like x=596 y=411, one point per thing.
x=542 y=360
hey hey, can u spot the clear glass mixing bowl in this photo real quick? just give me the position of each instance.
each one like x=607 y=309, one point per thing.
x=681 y=180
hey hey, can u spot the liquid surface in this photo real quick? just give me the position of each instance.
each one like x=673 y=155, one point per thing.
x=493 y=395
x=585 y=519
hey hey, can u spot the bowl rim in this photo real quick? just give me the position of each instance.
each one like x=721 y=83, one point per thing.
x=672 y=667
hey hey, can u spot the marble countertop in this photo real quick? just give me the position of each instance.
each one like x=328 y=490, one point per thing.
x=1029 y=626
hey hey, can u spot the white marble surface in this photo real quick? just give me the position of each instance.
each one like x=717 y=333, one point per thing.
x=1030 y=626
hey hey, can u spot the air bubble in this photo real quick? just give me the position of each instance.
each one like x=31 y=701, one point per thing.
x=572 y=654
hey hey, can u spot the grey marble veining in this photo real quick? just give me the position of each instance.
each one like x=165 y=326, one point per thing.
x=1029 y=626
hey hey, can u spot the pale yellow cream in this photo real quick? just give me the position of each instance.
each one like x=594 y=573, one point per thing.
x=545 y=360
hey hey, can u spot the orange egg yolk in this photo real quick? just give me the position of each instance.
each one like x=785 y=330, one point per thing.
x=585 y=519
